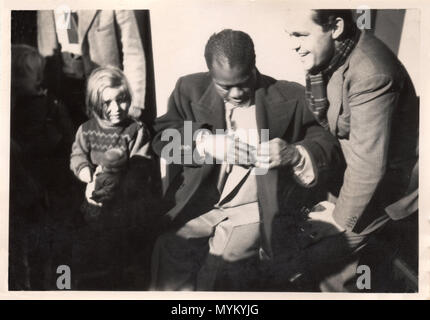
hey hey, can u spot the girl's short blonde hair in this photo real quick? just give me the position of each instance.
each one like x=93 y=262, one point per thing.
x=100 y=79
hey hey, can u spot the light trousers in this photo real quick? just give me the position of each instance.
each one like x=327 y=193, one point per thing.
x=191 y=257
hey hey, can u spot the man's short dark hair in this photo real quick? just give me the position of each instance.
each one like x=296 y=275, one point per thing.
x=327 y=17
x=236 y=47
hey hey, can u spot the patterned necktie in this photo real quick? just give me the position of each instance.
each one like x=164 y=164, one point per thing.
x=226 y=167
x=72 y=32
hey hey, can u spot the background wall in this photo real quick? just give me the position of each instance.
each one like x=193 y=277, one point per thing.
x=180 y=32
x=400 y=30
x=179 y=44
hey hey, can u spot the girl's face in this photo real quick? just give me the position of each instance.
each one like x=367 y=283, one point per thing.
x=115 y=104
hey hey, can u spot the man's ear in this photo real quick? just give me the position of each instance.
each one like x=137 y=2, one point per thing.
x=338 y=28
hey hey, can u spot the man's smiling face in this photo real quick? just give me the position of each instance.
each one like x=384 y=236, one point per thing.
x=314 y=46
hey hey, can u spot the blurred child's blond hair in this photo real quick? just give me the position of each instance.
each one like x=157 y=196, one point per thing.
x=100 y=79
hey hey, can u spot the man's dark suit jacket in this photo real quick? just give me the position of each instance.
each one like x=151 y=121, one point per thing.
x=280 y=107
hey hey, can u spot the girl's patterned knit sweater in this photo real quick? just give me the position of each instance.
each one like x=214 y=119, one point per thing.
x=96 y=136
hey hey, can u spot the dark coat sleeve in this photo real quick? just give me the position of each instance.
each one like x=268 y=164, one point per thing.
x=322 y=147
x=172 y=138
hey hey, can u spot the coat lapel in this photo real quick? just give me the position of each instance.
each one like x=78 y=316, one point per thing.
x=335 y=96
x=86 y=18
x=210 y=108
x=274 y=111
x=279 y=117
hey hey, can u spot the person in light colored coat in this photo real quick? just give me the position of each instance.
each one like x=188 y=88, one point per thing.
x=372 y=109
x=106 y=37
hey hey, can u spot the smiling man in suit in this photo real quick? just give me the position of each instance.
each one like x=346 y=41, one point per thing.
x=360 y=92
x=222 y=219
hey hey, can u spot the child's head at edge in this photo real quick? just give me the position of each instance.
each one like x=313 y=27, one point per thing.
x=27 y=70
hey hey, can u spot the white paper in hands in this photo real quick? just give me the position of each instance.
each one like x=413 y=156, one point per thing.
x=229 y=148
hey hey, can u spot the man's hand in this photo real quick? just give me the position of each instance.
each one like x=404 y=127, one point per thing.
x=226 y=148
x=277 y=153
x=320 y=223
x=85 y=175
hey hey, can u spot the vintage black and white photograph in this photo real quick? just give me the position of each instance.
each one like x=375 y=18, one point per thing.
x=214 y=147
